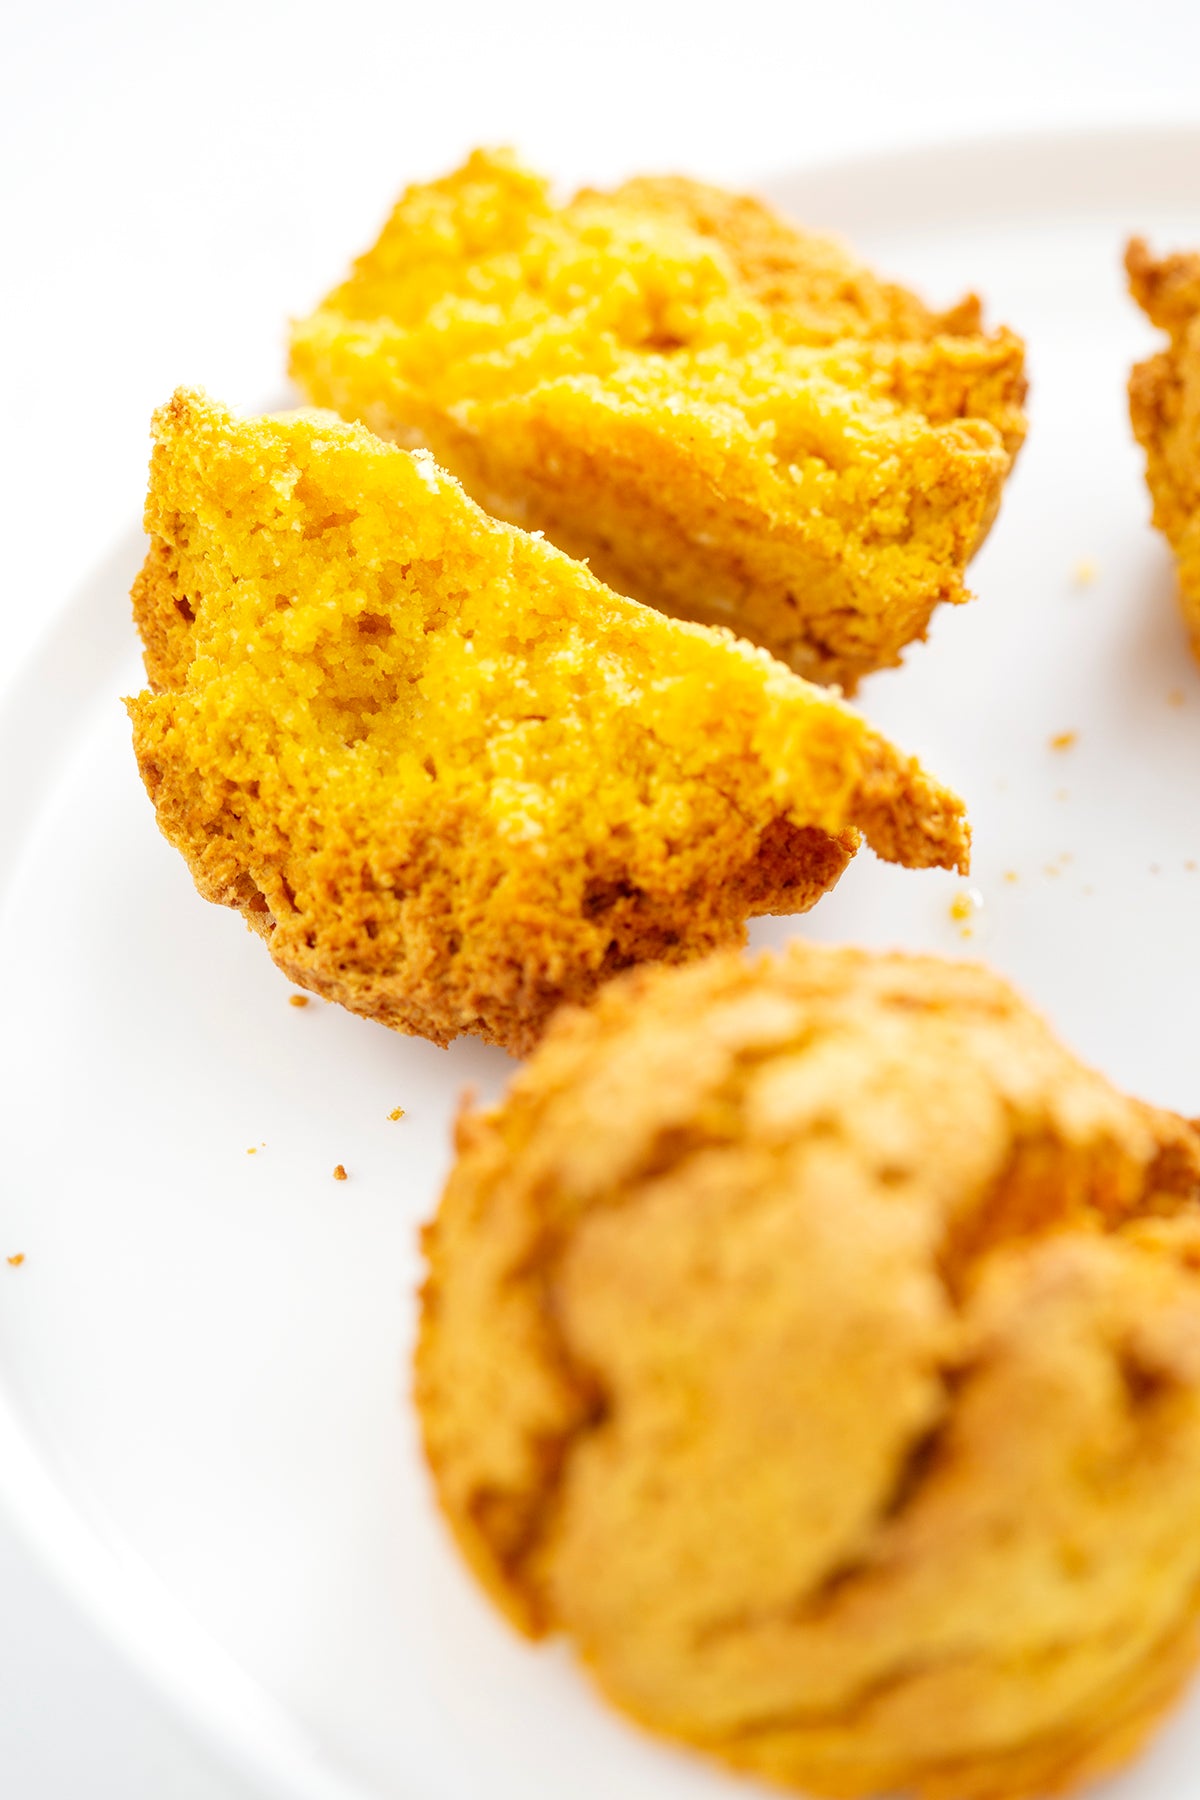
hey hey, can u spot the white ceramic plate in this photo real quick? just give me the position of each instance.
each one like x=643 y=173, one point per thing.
x=203 y=1358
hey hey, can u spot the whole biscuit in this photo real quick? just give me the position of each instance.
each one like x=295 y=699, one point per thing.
x=816 y=1343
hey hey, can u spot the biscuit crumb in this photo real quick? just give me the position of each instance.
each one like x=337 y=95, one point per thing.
x=397 y=1112
x=1085 y=571
x=253 y=1150
x=1064 y=740
x=964 y=907
x=339 y=1173
x=1176 y=697
x=297 y=999
x=1010 y=875
x=14 y=1262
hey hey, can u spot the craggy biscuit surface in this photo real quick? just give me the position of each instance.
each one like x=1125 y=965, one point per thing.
x=1164 y=403
x=732 y=420
x=817 y=1343
x=449 y=777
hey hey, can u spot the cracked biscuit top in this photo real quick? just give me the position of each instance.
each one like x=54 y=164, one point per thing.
x=450 y=778
x=817 y=1343
x=732 y=420
x=1164 y=403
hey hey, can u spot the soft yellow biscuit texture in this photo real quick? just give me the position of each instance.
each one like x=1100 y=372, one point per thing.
x=1164 y=403
x=817 y=1344
x=449 y=777
x=732 y=420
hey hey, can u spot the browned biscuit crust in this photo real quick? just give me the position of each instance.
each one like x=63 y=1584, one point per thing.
x=1164 y=404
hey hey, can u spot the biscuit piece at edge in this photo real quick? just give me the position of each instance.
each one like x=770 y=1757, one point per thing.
x=1164 y=404
x=449 y=777
x=732 y=420
x=816 y=1343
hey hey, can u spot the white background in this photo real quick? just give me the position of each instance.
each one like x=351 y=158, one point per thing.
x=176 y=180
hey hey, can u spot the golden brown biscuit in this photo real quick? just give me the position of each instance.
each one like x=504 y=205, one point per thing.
x=816 y=1342
x=449 y=777
x=730 y=419
x=1164 y=403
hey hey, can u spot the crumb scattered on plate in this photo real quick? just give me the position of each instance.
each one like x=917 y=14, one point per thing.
x=297 y=999
x=965 y=907
x=339 y=1173
x=1085 y=571
x=14 y=1262
x=1064 y=740
x=397 y=1112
